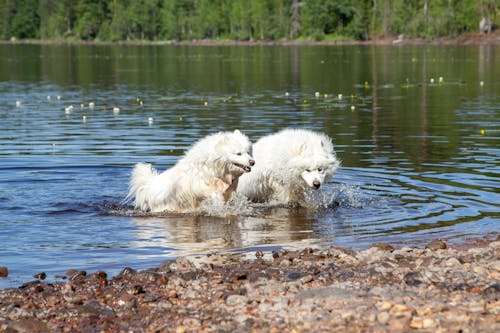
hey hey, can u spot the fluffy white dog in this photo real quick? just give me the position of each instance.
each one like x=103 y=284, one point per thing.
x=210 y=169
x=290 y=163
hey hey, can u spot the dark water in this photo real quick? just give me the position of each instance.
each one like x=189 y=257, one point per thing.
x=421 y=160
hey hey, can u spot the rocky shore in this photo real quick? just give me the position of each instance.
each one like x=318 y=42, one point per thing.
x=471 y=38
x=438 y=288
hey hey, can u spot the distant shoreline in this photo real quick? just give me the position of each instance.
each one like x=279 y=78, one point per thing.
x=465 y=39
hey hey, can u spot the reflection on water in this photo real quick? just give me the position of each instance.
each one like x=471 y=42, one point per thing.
x=421 y=158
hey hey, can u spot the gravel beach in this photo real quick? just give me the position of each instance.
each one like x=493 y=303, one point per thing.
x=439 y=288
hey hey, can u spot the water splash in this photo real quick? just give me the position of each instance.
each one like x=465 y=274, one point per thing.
x=340 y=195
x=238 y=205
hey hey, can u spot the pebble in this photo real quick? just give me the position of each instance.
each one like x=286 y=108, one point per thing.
x=293 y=275
x=4 y=272
x=374 y=290
x=234 y=300
x=399 y=324
x=401 y=310
x=134 y=290
x=383 y=246
x=453 y=262
x=306 y=279
x=436 y=244
x=28 y=325
x=383 y=317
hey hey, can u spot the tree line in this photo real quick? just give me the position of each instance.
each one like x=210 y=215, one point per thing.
x=242 y=20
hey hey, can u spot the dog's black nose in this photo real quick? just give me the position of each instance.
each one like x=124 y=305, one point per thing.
x=251 y=162
x=316 y=184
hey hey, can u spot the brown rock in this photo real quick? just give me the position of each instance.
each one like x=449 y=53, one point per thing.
x=383 y=246
x=4 y=272
x=436 y=244
x=417 y=323
x=383 y=317
x=29 y=325
x=399 y=324
x=401 y=310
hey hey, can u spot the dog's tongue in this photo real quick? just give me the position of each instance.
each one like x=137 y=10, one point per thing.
x=247 y=168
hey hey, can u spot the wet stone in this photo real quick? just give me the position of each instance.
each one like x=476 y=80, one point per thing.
x=148 y=276
x=4 y=272
x=436 y=244
x=236 y=275
x=412 y=279
x=40 y=276
x=134 y=290
x=383 y=246
x=276 y=254
x=492 y=291
x=78 y=275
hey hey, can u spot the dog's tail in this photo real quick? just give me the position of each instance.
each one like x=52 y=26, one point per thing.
x=142 y=175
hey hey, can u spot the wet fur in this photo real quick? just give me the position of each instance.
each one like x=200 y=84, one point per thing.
x=282 y=160
x=207 y=170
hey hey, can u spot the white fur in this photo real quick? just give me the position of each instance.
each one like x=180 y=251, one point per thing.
x=289 y=164
x=210 y=169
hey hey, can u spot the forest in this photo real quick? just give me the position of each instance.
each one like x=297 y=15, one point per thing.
x=240 y=20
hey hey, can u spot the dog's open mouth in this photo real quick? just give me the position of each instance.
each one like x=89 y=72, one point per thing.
x=244 y=167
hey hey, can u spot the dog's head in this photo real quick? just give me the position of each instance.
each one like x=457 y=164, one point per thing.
x=315 y=175
x=236 y=150
x=315 y=163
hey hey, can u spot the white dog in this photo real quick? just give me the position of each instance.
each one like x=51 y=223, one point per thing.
x=290 y=163
x=210 y=169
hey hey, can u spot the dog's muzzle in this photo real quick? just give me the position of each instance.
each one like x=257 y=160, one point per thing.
x=245 y=168
x=316 y=184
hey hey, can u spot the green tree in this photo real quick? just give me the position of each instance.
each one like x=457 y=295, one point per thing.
x=19 y=19
x=209 y=19
x=90 y=14
x=239 y=20
x=56 y=18
x=7 y=12
x=116 y=20
x=143 y=19
x=117 y=26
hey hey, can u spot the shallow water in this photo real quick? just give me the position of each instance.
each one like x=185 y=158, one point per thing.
x=421 y=159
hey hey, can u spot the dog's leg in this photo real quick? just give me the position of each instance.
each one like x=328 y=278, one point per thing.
x=228 y=193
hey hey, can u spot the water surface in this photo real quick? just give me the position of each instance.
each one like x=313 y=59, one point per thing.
x=420 y=157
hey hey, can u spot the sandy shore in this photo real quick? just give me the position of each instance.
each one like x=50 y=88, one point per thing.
x=434 y=289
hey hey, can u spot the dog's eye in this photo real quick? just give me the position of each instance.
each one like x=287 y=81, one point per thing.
x=239 y=154
x=320 y=169
x=308 y=170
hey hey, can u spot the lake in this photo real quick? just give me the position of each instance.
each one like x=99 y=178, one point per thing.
x=417 y=129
